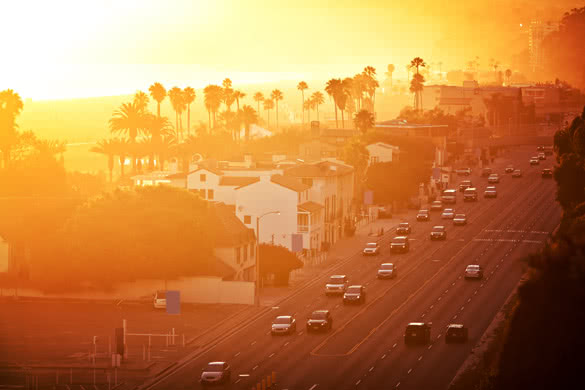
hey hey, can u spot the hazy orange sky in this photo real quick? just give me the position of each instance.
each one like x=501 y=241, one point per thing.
x=64 y=48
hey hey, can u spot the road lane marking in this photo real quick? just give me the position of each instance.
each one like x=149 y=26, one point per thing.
x=420 y=358
x=431 y=306
x=394 y=346
x=287 y=343
x=254 y=368
x=237 y=354
x=423 y=314
x=371 y=369
x=469 y=300
x=237 y=380
x=253 y=342
x=409 y=370
x=313 y=387
x=439 y=336
x=271 y=355
x=430 y=346
x=358 y=382
x=383 y=356
x=398 y=384
x=300 y=333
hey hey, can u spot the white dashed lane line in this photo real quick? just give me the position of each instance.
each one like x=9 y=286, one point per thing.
x=237 y=354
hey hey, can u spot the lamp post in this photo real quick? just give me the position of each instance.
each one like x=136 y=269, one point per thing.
x=257 y=292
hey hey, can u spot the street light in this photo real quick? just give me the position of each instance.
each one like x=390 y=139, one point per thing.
x=257 y=289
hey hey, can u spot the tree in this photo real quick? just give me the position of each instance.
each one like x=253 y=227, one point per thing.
x=390 y=72
x=178 y=102
x=108 y=148
x=334 y=89
x=355 y=154
x=308 y=105
x=128 y=120
x=158 y=93
x=371 y=84
x=228 y=93
x=213 y=96
x=301 y=87
x=248 y=117
x=258 y=97
x=268 y=105
x=157 y=127
x=276 y=96
x=232 y=122
x=238 y=95
x=508 y=76
x=188 y=98
x=141 y=100
x=279 y=261
x=317 y=98
x=416 y=86
x=10 y=107
x=122 y=148
x=364 y=120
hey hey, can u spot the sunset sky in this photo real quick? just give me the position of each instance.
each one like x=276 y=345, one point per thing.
x=62 y=49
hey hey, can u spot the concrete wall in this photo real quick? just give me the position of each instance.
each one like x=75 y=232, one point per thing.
x=193 y=290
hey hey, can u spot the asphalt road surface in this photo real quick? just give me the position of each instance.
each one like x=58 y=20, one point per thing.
x=365 y=349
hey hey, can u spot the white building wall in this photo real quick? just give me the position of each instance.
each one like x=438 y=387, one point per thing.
x=211 y=182
x=379 y=154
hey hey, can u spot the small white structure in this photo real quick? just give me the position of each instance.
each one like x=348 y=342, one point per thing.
x=382 y=152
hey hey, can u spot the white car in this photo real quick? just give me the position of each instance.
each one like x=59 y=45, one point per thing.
x=337 y=285
x=372 y=249
x=534 y=161
x=490 y=192
x=283 y=325
x=448 y=214
x=473 y=271
x=387 y=271
x=160 y=300
x=494 y=178
x=215 y=373
x=460 y=219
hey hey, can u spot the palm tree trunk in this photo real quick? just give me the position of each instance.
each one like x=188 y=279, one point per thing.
x=111 y=165
x=268 y=117
x=209 y=118
x=158 y=108
x=303 y=107
x=277 y=115
x=122 y=161
x=189 y=120
x=177 y=124
x=342 y=120
x=317 y=112
x=309 y=111
x=336 y=123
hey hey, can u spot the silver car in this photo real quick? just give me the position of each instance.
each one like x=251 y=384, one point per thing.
x=216 y=373
x=387 y=271
x=448 y=214
x=460 y=219
x=284 y=325
x=473 y=271
x=337 y=285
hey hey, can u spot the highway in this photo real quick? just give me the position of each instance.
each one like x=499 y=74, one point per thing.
x=365 y=349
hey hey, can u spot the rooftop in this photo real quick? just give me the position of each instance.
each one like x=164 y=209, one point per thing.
x=319 y=169
x=237 y=181
x=310 y=206
x=229 y=230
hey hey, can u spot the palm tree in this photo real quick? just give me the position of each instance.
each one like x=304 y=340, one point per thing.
x=177 y=101
x=157 y=127
x=185 y=150
x=268 y=105
x=158 y=93
x=122 y=149
x=166 y=149
x=276 y=96
x=417 y=86
x=109 y=148
x=307 y=106
x=248 y=116
x=129 y=120
x=10 y=107
x=408 y=72
x=344 y=94
x=231 y=121
x=213 y=96
x=301 y=87
x=508 y=76
x=364 y=120
x=188 y=98
x=318 y=99
x=334 y=89
x=371 y=84
x=228 y=93
x=238 y=95
x=141 y=100
x=390 y=72
x=258 y=97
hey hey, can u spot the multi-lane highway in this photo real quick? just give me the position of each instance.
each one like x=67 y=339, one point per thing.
x=365 y=349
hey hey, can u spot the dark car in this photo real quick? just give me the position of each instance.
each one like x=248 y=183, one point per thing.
x=216 y=373
x=438 y=233
x=284 y=325
x=540 y=148
x=403 y=228
x=486 y=172
x=547 y=173
x=399 y=244
x=534 y=160
x=387 y=271
x=418 y=333
x=465 y=184
x=517 y=173
x=460 y=219
x=354 y=294
x=473 y=271
x=541 y=156
x=470 y=194
x=422 y=215
x=456 y=333
x=319 y=321
x=509 y=169
x=371 y=249
x=437 y=205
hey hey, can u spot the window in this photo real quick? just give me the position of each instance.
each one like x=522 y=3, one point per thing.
x=247 y=219
x=202 y=193
x=209 y=194
x=237 y=255
x=203 y=177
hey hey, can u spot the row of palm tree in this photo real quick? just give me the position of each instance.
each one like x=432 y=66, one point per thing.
x=10 y=107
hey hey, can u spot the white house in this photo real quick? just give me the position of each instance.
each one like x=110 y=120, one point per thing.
x=330 y=185
x=382 y=152
x=159 y=177
x=289 y=197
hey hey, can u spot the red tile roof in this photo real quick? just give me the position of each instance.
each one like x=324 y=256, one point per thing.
x=289 y=182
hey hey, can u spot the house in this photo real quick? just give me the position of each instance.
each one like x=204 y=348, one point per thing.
x=316 y=150
x=234 y=244
x=382 y=152
x=331 y=184
x=281 y=208
x=160 y=177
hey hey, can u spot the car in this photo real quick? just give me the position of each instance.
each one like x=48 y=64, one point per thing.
x=387 y=271
x=470 y=194
x=517 y=173
x=473 y=271
x=509 y=169
x=384 y=212
x=422 y=215
x=216 y=373
x=463 y=171
x=337 y=285
x=372 y=249
x=540 y=148
x=460 y=219
x=438 y=233
x=160 y=299
x=418 y=333
x=456 y=333
x=534 y=161
x=494 y=178
x=399 y=244
x=547 y=173
x=490 y=192
x=449 y=196
x=437 y=205
x=354 y=294
x=486 y=172
x=283 y=325
x=448 y=214
x=403 y=228
x=465 y=184
x=319 y=321
x=541 y=156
